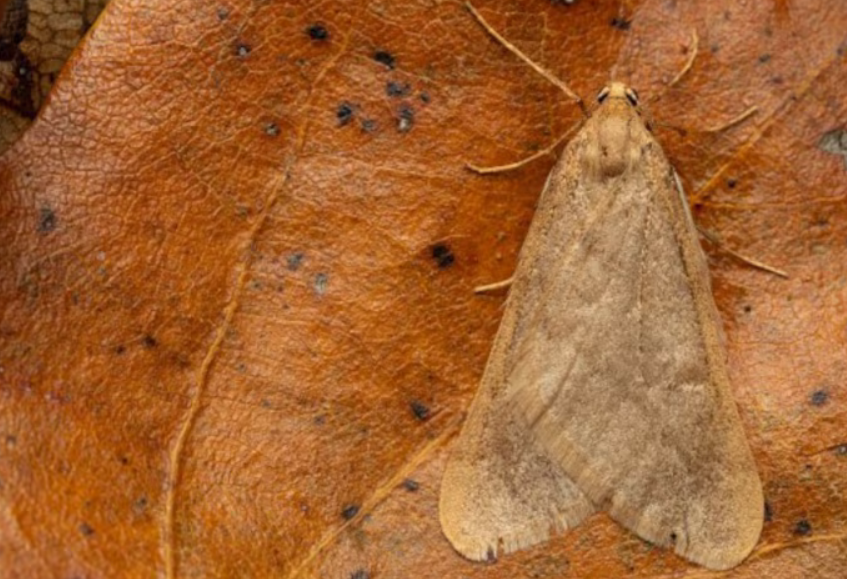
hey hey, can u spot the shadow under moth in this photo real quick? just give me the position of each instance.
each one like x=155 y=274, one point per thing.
x=607 y=385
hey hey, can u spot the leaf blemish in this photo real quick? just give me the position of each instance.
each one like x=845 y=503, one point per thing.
x=149 y=341
x=46 y=220
x=420 y=410
x=242 y=49
x=386 y=58
x=294 y=261
x=803 y=528
x=344 y=113
x=405 y=119
x=819 y=398
x=396 y=89
x=621 y=23
x=318 y=32
x=442 y=255
x=349 y=512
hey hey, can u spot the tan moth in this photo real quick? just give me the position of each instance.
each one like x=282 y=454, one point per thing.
x=607 y=386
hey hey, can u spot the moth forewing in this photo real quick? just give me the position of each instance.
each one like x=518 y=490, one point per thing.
x=609 y=361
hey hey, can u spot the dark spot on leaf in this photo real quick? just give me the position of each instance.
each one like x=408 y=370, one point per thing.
x=86 y=529
x=321 y=281
x=120 y=349
x=349 y=512
x=841 y=450
x=425 y=97
x=411 y=485
x=318 y=32
x=386 y=58
x=405 y=119
x=803 y=528
x=124 y=460
x=271 y=129
x=223 y=13
x=731 y=183
x=763 y=58
x=819 y=398
x=294 y=261
x=149 y=341
x=442 y=255
x=420 y=410
x=320 y=419
x=46 y=220
x=748 y=308
x=396 y=89
x=490 y=557
x=344 y=113
x=360 y=574
x=368 y=125
x=621 y=23
x=673 y=538
x=242 y=49
x=768 y=512
x=11 y=440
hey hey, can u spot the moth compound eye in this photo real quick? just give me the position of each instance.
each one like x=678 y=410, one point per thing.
x=632 y=97
x=602 y=95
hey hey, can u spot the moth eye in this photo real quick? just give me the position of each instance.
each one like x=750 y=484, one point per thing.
x=602 y=95
x=632 y=97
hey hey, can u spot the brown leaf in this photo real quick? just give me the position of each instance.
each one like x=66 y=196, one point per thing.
x=238 y=251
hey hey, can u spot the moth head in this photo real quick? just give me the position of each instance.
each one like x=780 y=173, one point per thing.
x=618 y=90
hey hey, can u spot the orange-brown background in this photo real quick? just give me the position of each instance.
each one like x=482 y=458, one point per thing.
x=232 y=326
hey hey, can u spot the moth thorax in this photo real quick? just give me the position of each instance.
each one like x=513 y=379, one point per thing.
x=611 y=148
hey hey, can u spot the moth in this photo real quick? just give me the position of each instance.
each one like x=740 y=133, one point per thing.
x=607 y=387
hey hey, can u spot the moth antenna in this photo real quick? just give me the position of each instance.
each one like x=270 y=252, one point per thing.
x=516 y=51
x=734 y=121
x=695 y=41
x=748 y=260
x=490 y=287
x=548 y=150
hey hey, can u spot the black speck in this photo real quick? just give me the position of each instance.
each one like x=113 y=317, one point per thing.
x=318 y=32
x=46 y=220
x=344 y=113
x=714 y=48
x=803 y=528
x=420 y=410
x=442 y=255
x=140 y=504
x=768 y=512
x=120 y=349
x=396 y=89
x=425 y=98
x=321 y=281
x=731 y=183
x=294 y=261
x=819 y=398
x=271 y=129
x=673 y=538
x=149 y=341
x=86 y=529
x=385 y=58
x=411 y=485
x=349 y=512
x=368 y=125
x=748 y=308
x=490 y=557
x=405 y=119
x=223 y=14
x=763 y=58
x=360 y=574
x=242 y=49
x=124 y=460
x=320 y=419
x=621 y=23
